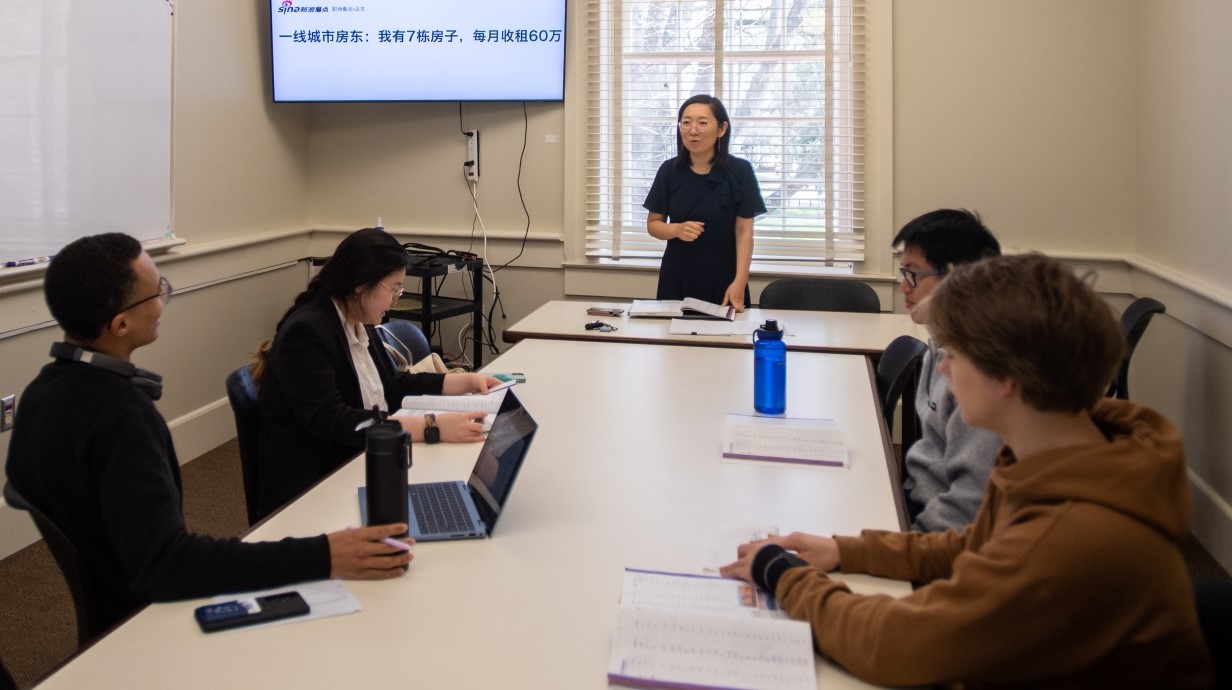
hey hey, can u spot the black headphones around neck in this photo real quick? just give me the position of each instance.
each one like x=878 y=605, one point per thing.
x=146 y=381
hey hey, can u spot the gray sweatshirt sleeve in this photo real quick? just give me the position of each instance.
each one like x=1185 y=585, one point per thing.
x=948 y=467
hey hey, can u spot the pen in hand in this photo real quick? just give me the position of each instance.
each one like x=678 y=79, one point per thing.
x=399 y=544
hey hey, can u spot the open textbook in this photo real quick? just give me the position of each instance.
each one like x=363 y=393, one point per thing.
x=687 y=308
x=418 y=404
x=697 y=631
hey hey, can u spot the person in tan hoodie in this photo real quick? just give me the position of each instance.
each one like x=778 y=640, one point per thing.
x=1070 y=576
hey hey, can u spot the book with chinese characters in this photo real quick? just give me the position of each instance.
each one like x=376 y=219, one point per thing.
x=784 y=439
x=687 y=308
x=675 y=630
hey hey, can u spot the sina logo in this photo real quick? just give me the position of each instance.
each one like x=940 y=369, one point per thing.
x=286 y=3
x=287 y=7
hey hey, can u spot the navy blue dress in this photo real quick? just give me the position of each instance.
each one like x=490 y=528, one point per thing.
x=703 y=268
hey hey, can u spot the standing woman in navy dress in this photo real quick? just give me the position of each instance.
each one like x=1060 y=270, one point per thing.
x=703 y=202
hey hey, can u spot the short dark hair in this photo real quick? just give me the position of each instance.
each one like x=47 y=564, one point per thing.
x=948 y=237
x=89 y=281
x=1028 y=318
x=362 y=259
x=721 y=153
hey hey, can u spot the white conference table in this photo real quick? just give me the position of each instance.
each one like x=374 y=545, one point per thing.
x=807 y=331
x=626 y=470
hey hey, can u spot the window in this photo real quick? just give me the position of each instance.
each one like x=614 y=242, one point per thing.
x=791 y=73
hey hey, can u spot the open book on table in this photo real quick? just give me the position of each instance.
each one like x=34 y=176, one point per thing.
x=419 y=404
x=687 y=308
x=697 y=631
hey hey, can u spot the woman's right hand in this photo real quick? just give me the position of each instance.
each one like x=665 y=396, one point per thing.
x=689 y=230
x=461 y=427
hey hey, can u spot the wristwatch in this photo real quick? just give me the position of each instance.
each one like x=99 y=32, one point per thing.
x=432 y=432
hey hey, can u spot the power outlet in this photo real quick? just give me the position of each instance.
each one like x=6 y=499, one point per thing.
x=472 y=155
x=6 y=409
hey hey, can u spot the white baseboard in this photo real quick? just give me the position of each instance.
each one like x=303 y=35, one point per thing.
x=193 y=434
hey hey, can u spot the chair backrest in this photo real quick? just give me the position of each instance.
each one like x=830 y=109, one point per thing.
x=898 y=364
x=242 y=392
x=404 y=338
x=819 y=294
x=86 y=591
x=1213 y=599
x=1134 y=320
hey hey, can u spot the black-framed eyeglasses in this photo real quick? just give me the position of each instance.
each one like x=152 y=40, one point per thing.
x=912 y=277
x=163 y=294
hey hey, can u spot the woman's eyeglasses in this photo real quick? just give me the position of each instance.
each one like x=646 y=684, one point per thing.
x=396 y=290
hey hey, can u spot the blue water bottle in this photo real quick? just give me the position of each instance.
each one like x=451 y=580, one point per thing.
x=769 y=369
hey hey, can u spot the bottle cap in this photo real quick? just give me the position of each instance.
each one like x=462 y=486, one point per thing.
x=770 y=325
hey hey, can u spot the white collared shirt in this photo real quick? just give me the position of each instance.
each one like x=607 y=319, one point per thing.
x=370 y=388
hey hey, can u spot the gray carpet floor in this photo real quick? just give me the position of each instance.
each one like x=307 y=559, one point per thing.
x=38 y=630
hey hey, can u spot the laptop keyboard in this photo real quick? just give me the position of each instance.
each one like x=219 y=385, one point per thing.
x=440 y=508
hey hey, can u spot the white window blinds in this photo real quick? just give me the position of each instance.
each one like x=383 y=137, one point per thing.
x=791 y=73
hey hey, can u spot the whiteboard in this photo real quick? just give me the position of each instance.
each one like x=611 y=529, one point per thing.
x=85 y=122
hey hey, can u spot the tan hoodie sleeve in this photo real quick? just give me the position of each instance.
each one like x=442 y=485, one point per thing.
x=998 y=616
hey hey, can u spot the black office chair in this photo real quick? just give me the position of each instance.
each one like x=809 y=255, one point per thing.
x=898 y=364
x=819 y=294
x=87 y=596
x=242 y=392
x=1213 y=599
x=404 y=340
x=1134 y=320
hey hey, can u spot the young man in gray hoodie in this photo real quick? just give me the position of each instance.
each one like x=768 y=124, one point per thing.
x=949 y=465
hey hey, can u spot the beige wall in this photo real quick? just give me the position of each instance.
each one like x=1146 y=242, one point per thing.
x=1184 y=233
x=1184 y=144
x=1076 y=128
x=1022 y=111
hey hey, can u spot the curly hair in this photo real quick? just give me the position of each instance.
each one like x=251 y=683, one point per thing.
x=89 y=281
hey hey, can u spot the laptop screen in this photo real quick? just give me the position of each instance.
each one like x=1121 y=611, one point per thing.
x=500 y=458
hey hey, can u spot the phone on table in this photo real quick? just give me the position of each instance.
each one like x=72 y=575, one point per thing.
x=241 y=612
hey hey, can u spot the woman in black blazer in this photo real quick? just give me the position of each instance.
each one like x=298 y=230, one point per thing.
x=326 y=368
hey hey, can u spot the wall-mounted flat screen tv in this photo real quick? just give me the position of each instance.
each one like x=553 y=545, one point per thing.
x=418 y=50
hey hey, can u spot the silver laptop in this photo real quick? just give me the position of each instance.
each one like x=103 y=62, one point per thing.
x=470 y=509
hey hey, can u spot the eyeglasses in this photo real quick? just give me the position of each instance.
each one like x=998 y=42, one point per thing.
x=913 y=277
x=686 y=125
x=397 y=291
x=163 y=294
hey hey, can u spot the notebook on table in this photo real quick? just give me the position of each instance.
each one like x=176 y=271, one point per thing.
x=469 y=510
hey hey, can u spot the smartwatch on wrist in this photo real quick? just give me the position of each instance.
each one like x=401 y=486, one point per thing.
x=432 y=432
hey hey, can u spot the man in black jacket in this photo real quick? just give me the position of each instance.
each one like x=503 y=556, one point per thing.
x=91 y=451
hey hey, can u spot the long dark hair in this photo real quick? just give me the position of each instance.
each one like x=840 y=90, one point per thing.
x=361 y=260
x=720 y=146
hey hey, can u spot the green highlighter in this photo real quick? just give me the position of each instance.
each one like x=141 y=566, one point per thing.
x=515 y=376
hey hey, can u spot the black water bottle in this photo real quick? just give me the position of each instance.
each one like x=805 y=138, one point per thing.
x=388 y=458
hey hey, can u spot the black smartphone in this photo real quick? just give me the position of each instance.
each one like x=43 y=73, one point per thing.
x=241 y=612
